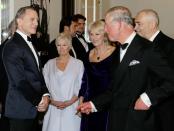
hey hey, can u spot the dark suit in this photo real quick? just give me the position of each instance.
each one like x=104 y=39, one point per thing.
x=3 y=79
x=132 y=78
x=79 y=49
x=4 y=123
x=165 y=110
x=166 y=45
x=52 y=50
x=26 y=83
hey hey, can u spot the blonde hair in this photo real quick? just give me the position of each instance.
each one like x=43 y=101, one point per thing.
x=65 y=37
x=99 y=26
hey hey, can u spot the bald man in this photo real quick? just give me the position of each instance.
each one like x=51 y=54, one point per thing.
x=147 y=25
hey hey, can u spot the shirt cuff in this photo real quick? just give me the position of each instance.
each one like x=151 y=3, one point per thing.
x=144 y=97
x=93 y=107
x=46 y=94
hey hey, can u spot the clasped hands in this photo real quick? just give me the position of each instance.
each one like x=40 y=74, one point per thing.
x=86 y=107
x=61 y=104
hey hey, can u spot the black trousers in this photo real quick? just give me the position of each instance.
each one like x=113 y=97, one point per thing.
x=4 y=123
x=22 y=124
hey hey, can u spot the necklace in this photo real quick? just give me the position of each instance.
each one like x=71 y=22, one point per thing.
x=98 y=57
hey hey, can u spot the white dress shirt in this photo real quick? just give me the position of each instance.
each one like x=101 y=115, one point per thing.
x=85 y=45
x=129 y=40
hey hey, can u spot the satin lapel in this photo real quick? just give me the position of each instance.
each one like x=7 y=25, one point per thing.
x=22 y=41
x=28 y=48
x=40 y=64
x=129 y=56
x=158 y=38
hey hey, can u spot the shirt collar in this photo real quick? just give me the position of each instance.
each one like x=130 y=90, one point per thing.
x=154 y=35
x=22 y=34
x=130 y=38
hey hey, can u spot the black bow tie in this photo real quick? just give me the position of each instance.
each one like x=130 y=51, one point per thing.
x=29 y=39
x=123 y=46
x=79 y=35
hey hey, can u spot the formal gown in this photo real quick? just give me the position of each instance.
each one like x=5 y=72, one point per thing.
x=99 y=77
x=63 y=85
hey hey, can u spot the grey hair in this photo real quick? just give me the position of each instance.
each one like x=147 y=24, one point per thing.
x=120 y=13
x=66 y=37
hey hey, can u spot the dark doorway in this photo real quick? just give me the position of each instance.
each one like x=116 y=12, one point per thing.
x=67 y=8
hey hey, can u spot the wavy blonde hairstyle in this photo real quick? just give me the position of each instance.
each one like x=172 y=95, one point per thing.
x=99 y=27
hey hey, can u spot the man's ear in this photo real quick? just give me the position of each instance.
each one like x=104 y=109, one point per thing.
x=66 y=28
x=153 y=25
x=19 y=21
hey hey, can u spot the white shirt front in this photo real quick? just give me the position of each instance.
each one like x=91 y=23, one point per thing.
x=129 y=40
x=85 y=45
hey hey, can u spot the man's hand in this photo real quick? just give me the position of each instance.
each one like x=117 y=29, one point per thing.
x=139 y=105
x=85 y=108
x=43 y=105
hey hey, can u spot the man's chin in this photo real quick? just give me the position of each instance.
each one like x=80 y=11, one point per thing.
x=34 y=32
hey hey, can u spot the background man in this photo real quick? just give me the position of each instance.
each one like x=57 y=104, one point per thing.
x=147 y=25
x=80 y=45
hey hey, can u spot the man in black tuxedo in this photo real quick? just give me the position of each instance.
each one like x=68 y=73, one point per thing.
x=147 y=25
x=132 y=96
x=27 y=92
x=80 y=45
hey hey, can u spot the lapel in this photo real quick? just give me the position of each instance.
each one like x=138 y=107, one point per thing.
x=21 y=42
x=40 y=64
x=158 y=39
x=78 y=45
x=132 y=50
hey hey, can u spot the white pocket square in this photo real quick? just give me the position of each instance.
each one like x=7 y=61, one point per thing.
x=134 y=62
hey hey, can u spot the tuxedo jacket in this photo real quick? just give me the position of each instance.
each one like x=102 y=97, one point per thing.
x=164 y=111
x=25 y=81
x=3 y=79
x=80 y=50
x=132 y=78
x=166 y=45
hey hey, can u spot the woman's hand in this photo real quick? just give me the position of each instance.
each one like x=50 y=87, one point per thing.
x=58 y=104
x=63 y=104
